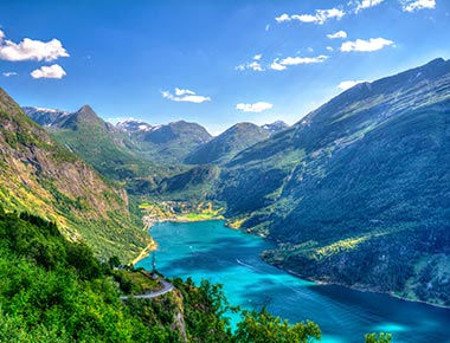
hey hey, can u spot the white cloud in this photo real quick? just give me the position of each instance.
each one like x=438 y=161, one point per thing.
x=181 y=92
x=364 y=4
x=254 y=65
x=370 y=45
x=337 y=35
x=29 y=49
x=415 y=5
x=329 y=48
x=256 y=107
x=344 y=85
x=185 y=95
x=290 y=61
x=319 y=17
x=283 y=18
x=277 y=66
x=9 y=73
x=54 y=71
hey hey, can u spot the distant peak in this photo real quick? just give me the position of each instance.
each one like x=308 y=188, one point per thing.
x=86 y=112
x=86 y=108
x=244 y=124
x=179 y=122
x=278 y=122
x=275 y=127
x=438 y=60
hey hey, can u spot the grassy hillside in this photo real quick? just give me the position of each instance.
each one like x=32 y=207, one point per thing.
x=39 y=176
x=358 y=191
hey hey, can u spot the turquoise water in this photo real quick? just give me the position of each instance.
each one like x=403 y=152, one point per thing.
x=210 y=250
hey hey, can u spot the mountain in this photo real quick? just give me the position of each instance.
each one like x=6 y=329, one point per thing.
x=84 y=117
x=275 y=127
x=134 y=126
x=105 y=147
x=228 y=144
x=174 y=141
x=125 y=152
x=42 y=177
x=45 y=116
x=358 y=192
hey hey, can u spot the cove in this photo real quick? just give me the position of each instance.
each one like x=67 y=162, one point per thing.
x=209 y=250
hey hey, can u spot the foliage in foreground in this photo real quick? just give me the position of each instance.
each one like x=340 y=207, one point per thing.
x=378 y=338
x=53 y=290
x=262 y=327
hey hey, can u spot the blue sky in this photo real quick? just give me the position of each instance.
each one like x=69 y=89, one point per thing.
x=215 y=62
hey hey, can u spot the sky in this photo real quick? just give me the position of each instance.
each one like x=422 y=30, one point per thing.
x=215 y=62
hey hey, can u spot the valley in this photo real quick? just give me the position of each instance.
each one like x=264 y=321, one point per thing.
x=225 y=171
x=346 y=196
x=338 y=191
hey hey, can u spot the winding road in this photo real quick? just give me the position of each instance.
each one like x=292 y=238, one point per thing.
x=167 y=287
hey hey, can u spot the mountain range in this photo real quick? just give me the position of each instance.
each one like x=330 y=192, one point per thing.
x=356 y=193
x=147 y=156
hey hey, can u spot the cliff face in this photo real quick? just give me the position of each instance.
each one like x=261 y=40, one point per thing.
x=40 y=176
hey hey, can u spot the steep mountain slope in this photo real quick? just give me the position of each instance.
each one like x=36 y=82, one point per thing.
x=358 y=192
x=225 y=146
x=41 y=177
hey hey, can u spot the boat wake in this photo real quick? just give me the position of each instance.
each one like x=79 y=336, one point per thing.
x=246 y=265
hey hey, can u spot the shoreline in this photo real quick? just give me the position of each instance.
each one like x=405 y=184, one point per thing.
x=291 y=272
x=357 y=288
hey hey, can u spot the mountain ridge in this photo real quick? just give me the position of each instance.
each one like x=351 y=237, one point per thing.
x=42 y=177
x=226 y=145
